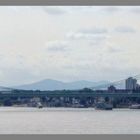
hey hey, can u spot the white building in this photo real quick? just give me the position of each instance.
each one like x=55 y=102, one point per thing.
x=131 y=84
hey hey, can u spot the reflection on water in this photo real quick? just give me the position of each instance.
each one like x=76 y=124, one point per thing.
x=68 y=121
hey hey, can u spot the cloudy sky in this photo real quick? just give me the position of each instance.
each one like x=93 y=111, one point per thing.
x=68 y=43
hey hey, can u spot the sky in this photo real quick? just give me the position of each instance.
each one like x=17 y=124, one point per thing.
x=68 y=43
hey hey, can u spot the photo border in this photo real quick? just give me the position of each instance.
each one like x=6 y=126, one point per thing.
x=72 y=3
x=70 y=137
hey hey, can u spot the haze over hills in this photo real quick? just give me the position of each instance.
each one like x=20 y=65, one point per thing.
x=49 y=84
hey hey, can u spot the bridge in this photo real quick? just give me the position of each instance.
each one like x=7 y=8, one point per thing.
x=57 y=94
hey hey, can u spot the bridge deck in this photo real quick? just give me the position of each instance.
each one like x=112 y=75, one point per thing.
x=67 y=94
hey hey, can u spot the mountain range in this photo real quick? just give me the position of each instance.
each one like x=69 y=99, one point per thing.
x=49 y=84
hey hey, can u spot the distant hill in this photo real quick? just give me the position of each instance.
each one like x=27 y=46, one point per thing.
x=49 y=84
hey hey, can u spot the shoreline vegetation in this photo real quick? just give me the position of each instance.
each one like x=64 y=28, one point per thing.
x=63 y=99
x=68 y=102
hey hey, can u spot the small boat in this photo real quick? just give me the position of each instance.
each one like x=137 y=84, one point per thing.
x=39 y=105
x=135 y=106
x=103 y=106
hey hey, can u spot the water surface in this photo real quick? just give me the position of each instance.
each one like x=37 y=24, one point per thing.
x=18 y=120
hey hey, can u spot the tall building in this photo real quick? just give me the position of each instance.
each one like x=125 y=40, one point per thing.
x=131 y=84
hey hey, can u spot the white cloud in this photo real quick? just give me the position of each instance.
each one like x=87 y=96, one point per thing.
x=92 y=33
x=112 y=9
x=57 y=45
x=135 y=9
x=54 y=10
x=84 y=43
x=125 y=29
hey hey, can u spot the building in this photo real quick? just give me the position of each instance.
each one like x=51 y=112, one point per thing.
x=138 y=87
x=131 y=84
x=111 y=88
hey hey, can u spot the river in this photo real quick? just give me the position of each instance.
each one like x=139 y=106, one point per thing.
x=20 y=120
